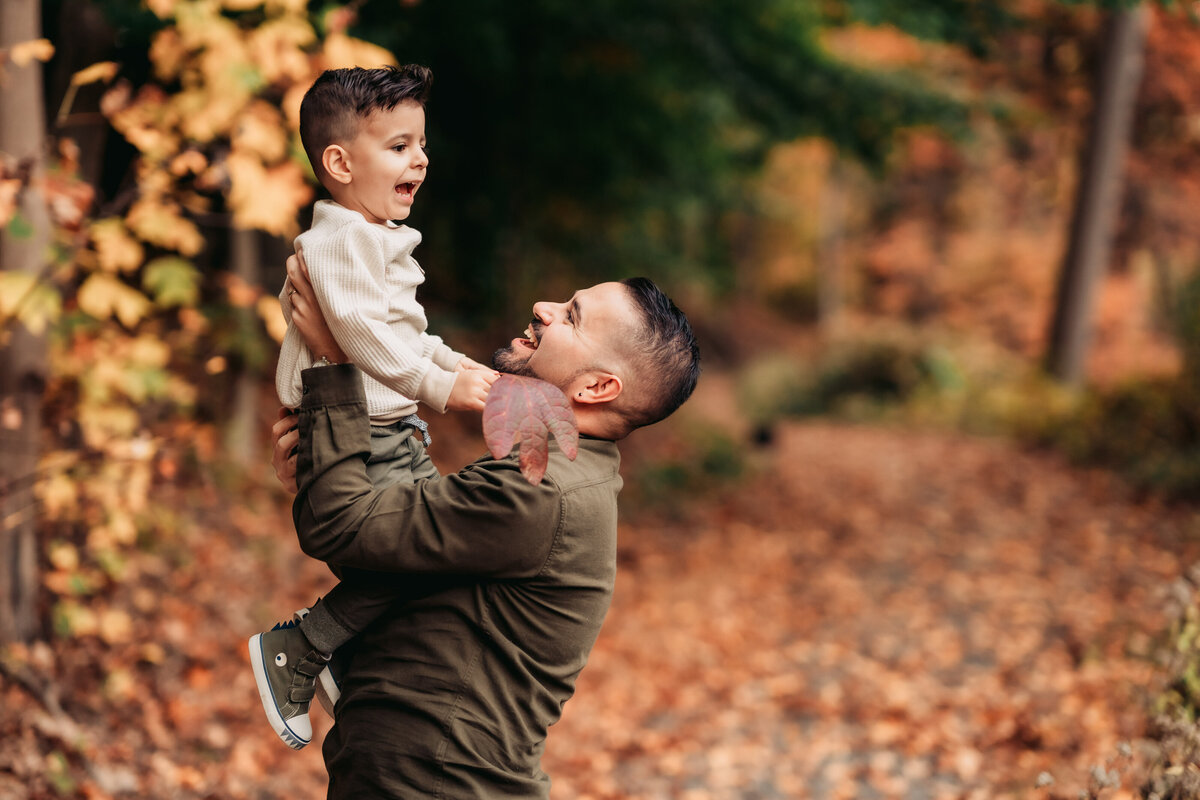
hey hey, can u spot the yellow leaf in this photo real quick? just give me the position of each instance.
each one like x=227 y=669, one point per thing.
x=146 y=350
x=272 y=316
x=100 y=71
x=14 y=286
x=115 y=626
x=293 y=7
x=208 y=112
x=341 y=50
x=25 y=53
x=162 y=8
x=277 y=47
x=188 y=162
x=167 y=54
x=267 y=199
x=260 y=132
x=103 y=295
x=63 y=556
x=122 y=528
x=58 y=494
x=158 y=222
x=34 y=303
x=101 y=424
x=79 y=620
x=116 y=249
x=9 y=189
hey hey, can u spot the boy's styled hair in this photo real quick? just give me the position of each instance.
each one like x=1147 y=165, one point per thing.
x=666 y=358
x=340 y=99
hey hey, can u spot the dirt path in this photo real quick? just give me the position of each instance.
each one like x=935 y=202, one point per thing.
x=887 y=615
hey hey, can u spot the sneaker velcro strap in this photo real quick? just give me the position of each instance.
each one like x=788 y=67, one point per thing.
x=302 y=692
x=311 y=664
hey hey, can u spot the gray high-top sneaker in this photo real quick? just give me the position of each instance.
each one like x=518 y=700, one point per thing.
x=286 y=668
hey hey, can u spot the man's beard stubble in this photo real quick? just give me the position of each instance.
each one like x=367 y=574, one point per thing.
x=506 y=360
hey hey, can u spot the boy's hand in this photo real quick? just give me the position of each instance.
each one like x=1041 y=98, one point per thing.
x=470 y=390
x=465 y=363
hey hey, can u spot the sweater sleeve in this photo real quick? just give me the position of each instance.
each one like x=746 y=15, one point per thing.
x=442 y=354
x=349 y=277
x=485 y=520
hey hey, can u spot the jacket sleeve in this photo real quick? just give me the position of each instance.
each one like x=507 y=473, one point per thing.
x=484 y=520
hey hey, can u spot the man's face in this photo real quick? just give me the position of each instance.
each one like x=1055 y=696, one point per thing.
x=387 y=163
x=566 y=339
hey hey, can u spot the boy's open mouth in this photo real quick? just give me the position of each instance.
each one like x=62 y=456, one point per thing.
x=407 y=189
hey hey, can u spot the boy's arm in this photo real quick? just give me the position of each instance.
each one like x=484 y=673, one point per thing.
x=441 y=353
x=349 y=276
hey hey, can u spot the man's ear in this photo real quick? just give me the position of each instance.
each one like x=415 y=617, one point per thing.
x=336 y=162
x=598 y=387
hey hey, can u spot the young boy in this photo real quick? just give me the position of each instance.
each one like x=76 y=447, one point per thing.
x=364 y=132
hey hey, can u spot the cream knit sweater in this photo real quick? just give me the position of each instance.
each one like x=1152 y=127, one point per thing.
x=366 y=282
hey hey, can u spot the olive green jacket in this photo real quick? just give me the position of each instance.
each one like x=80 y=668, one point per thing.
x=450 y=694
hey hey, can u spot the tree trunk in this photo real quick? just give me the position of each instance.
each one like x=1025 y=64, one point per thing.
x=1098 y=195
x=22 y=359
x=243 y=429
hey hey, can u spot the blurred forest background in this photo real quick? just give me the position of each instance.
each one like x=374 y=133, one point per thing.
x=927 y=528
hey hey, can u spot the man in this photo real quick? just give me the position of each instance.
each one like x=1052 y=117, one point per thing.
x=450 y=694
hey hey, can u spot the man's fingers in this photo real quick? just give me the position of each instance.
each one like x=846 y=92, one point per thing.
x=287 y=421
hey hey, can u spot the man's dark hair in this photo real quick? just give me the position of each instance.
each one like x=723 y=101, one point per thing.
x=667 y=358
x=338 y=101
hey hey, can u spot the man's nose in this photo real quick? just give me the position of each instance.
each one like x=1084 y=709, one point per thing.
x=543 y=312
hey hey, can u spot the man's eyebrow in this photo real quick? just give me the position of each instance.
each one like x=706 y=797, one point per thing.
x=576 y=311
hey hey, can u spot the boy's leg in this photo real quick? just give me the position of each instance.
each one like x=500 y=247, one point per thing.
x=288 y=659
x=397 y=456
x=361 y=596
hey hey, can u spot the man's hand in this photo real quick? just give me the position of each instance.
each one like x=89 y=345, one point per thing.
x=286 y=434
x=471 y=387
x=306 y=313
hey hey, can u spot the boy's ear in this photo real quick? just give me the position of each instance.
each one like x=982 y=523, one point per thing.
x=598 y=387
x=336 y=162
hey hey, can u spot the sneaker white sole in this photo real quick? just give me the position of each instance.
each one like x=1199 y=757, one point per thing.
x=298 y=733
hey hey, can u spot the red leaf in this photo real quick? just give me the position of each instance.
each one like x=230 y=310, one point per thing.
x=526 y=411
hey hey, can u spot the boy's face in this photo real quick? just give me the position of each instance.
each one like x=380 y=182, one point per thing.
x=386 y=163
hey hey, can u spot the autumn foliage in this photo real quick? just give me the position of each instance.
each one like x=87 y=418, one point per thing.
x=804 y=608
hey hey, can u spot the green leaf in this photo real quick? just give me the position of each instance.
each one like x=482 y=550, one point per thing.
x=19 y=227
x=34 y=303
x=172 y=281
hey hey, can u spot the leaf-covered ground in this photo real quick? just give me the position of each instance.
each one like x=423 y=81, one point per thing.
x=875 y=614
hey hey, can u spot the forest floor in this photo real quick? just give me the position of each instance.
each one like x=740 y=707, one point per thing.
x=869 y=613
